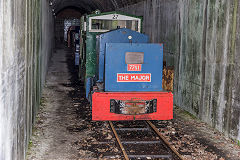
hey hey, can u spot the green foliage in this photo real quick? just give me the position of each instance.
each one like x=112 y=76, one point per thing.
x=186 y=114
x=42 y=102
x=30 y=144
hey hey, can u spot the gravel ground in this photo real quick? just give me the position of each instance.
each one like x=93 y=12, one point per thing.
x=64 y=129
x=195 y=140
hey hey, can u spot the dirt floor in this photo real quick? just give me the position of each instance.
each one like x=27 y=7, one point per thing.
x=64 y=129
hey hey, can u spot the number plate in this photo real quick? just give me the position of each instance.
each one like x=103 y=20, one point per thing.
x=134 y=67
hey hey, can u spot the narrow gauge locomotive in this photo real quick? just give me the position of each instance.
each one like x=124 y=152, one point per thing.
x=126 y=82
x=73 y=36
x=73 y=41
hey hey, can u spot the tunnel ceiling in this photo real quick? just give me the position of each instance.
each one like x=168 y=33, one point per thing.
x=87 y=6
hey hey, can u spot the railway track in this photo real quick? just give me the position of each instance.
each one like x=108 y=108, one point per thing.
x=142 y=140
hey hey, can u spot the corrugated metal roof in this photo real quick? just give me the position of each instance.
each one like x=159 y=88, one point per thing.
x=87 y=6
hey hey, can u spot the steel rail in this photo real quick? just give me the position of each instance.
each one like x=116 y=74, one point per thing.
x=119 y=142
x=164 y=140
x=152 y=127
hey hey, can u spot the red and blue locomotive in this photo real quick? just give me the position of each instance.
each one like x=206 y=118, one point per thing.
x=129 y=79
x=122 y=71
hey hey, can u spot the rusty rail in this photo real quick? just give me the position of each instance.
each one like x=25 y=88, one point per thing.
x=152 y=127
x=164 y=140
x=119 y=142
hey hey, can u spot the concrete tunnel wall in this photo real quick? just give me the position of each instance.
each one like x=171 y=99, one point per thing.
x=26 y=43
x=201 y=40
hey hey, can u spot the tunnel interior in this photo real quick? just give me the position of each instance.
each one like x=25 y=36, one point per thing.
x=86 y=6
x=171 y=23
x=68 y=13
x=201 y=46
